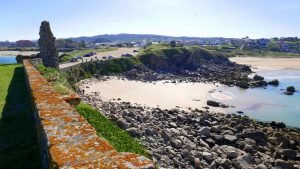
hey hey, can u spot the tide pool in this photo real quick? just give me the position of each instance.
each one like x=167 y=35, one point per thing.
x=265 y=104
x=7 y=59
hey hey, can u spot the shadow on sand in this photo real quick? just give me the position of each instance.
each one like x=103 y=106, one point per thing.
x=18 y=143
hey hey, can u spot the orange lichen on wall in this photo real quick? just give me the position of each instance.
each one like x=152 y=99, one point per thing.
x=70 y=140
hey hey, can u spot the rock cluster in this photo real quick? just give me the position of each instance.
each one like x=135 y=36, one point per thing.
x=224 y=74
x=199 y=139
x=47 y=46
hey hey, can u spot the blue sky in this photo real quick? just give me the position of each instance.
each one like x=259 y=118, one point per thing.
x=20 y=19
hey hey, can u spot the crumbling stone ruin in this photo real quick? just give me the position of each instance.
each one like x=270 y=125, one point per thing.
x=47 y=46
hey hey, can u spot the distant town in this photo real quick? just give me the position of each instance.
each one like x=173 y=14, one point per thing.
x=283 y=44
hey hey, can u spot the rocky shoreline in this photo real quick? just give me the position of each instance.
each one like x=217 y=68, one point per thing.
x=200 y=139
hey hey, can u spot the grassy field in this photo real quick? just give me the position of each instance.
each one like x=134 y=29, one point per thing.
x=107 y=129
x=76 y=53
x=18 y=143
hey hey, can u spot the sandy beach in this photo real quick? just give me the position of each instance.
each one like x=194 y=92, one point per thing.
x=164 y=95
x=269 y=63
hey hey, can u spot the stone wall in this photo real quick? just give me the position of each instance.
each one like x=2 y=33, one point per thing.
x=67 y=140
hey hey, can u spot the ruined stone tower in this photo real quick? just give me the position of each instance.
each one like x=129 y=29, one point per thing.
x=47 y=46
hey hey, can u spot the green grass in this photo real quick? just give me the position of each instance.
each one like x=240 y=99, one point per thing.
x=76 y=53
x=107 y=129
x=6 y=74
x=57 y=79
x=18 y=142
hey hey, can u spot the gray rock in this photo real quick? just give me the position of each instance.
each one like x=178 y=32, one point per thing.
x=213 y=103
x=197 y=163
x=258 y=136
x=243 y=162
x=248 y=148
x=122 y=123
x=172 y=124
x=281 y=164
x=207 y=156
x=231 y=152
x=242 y=84
x=206 y=123
x=149 y=132
x=288 y=154
x=133 y=131
x=216 y=129
x=223 y=162
x=189 y=145
x=274 y=82
x=203 y=143
x=204 y=131
x=250 y=141
x=257 y=77
x=165 y=135
x=262 y=166
x=230 y=138
x=176 y=143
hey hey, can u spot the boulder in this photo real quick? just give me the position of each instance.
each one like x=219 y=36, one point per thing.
x=256 y=135
x=243 y=162
x=258 y=78
x=260 y=83
x=281 y=164
x=242 y=84
x=176 y=143
x=262 y=166
x=122 y=123
x=213 y=103
x=204 y=131
x=165 y=135
x=277 y=124
x=207 y=156
x=133 y=131
x=230 y=138
x=288 y=154
x=291 y=89
x=197 y=163
x=274 y=82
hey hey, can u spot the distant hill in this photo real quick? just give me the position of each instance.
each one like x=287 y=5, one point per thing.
x=138 y=37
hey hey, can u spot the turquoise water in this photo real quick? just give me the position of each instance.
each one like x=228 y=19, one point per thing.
x=7 y=59
x=270 y=104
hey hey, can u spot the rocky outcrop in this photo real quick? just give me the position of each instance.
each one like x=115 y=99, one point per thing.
x=47 y=46
x=199 y=139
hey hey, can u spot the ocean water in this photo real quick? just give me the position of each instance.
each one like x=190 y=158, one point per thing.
x=7 y=59
x=265 y=104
